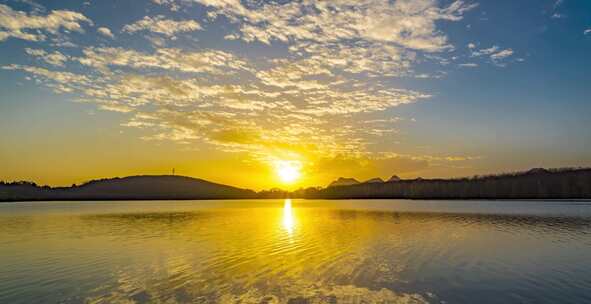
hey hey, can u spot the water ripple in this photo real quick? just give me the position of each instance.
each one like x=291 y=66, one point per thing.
x=301 y=252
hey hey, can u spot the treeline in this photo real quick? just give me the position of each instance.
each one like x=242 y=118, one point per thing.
x=565 y=183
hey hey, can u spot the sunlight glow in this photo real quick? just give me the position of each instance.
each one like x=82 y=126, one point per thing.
x=288 y=171
x=288 y=218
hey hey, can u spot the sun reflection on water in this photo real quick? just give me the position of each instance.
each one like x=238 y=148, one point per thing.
x=288 y=218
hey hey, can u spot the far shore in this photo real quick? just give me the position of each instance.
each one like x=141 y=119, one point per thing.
x=305 y=199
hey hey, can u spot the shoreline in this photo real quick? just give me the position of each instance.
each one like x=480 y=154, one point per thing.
x=299 y=198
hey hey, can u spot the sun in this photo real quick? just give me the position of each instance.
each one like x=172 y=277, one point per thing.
x=288 y=171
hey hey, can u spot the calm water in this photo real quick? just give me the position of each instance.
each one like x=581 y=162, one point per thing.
x=298 y=251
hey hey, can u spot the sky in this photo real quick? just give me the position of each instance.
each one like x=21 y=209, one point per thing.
x=261 y=94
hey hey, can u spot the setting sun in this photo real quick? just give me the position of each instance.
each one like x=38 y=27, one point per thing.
x=288 y=171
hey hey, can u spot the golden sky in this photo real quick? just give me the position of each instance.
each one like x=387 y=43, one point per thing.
x=286 y=94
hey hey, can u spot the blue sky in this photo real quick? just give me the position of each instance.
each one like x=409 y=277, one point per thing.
x=357 y=88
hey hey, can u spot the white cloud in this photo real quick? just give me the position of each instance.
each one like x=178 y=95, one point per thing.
x=60 y=82
x=207 y=61
x=468 y=65
x=502 y=54
x=495 y=54
x=170 y=3
x=558 y=16
x=161 y=25
x=471 y=45
x=56 y=58
x=33 y=27
x=587 y=31
x=105 y=32
x=410 y=24
x=486 y=51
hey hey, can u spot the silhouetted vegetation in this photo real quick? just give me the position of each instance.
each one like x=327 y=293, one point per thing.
x=565 y=183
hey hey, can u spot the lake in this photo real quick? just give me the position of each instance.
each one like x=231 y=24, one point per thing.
x=296 y=251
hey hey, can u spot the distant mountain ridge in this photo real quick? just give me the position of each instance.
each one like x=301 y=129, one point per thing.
x=537 y=183
x=343 y=181
x=374 y=180
x=394 y=178
x=141 y=187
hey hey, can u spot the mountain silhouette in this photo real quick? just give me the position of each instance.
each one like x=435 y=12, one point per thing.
x=394 y=178
x=145 y=187
x=537 y=183
x=342 y=181
x=374 y=180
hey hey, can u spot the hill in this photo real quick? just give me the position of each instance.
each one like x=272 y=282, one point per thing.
x=374 y=180
x=342 y=181
x=147 y=187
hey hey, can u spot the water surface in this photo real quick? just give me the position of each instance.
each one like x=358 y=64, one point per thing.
x=296 y=251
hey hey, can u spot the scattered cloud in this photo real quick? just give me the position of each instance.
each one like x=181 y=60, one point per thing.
x=555 y=14
x=487 y=51
x=56 y=58
x=33 y=27
x=409 y=24
x=35 y=7
x=339 y=64
x=210 y=61
x=558 y=16
x=495 y=53
x=501 y=54
x=105 y=32
x=170 y=3
x=161 y=25
x=60 y=82
x=468 y=65
x=587 y=31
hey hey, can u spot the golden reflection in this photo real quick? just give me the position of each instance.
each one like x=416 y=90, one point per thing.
x=288 y=218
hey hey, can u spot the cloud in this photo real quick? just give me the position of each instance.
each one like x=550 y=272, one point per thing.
x=105 y=32
x=35 y=7
x=501 y=54
x=486 y=51
x=471 y=45
x=206 y=61
x=337 y=70
x=56 y=58
x=558 y=16
x=32 y=27
x=234 y=118
x=410 y=24
x=587 y=31
x=170 y=3
x=60 y=82
x=495 y=54
x=161 y=25
x=468 y=65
